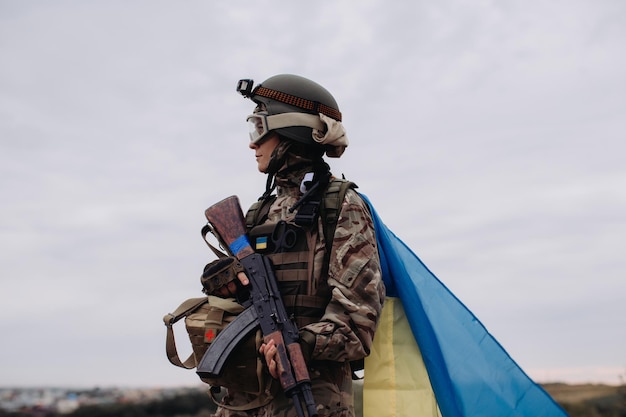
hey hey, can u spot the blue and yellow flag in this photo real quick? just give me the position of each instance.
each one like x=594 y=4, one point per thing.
x=432 y=357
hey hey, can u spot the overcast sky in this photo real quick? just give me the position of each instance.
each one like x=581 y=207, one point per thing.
x=490 y=136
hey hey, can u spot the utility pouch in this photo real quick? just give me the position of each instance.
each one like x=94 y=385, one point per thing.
x=205 y=317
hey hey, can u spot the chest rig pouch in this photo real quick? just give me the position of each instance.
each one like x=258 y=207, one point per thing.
x=290 y=248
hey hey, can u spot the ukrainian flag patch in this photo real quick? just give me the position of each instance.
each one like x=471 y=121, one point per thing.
x=261 y=243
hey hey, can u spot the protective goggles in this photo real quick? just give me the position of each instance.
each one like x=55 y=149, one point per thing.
x=261 y=123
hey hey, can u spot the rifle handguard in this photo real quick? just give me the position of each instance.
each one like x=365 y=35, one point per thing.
x=219 y=273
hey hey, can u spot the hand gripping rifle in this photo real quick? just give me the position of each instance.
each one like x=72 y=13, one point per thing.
x=266 y=310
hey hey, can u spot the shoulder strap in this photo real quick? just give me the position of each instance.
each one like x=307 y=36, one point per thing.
x=186 y=308
x=258 y=211
x=330 y=210
x=331 y=206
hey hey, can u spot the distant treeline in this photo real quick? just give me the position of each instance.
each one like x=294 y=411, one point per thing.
x=600 y=407
x=590 y=400
x=198 y=404
x=192 y=404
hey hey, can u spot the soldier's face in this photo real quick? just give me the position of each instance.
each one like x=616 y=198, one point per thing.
x=263 y=151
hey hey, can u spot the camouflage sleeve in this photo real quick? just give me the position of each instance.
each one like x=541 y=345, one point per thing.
x=346 y=330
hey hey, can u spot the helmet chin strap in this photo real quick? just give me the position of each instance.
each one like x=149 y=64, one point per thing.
x=270 y=184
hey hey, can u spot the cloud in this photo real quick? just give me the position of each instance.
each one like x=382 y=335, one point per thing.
x=488 y=135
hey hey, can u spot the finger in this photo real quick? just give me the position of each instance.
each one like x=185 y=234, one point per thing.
x=243 y=278
x=269 y=353
x=273 y=370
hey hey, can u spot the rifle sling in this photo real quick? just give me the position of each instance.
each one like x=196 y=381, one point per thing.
x=187 y=307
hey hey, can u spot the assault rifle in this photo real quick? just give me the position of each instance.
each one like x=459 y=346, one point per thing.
x=266 y=309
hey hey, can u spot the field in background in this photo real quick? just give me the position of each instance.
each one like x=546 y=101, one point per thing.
x=580 y=400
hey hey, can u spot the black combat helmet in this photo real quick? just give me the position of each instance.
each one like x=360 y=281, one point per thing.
x=299 y=99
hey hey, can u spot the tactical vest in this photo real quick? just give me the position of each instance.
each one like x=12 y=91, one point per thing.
x=291 y=248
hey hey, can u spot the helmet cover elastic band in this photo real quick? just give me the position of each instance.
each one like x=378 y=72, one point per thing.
x=297 y=102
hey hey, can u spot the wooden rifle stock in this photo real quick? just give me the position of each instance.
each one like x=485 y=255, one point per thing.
x=228 y=222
